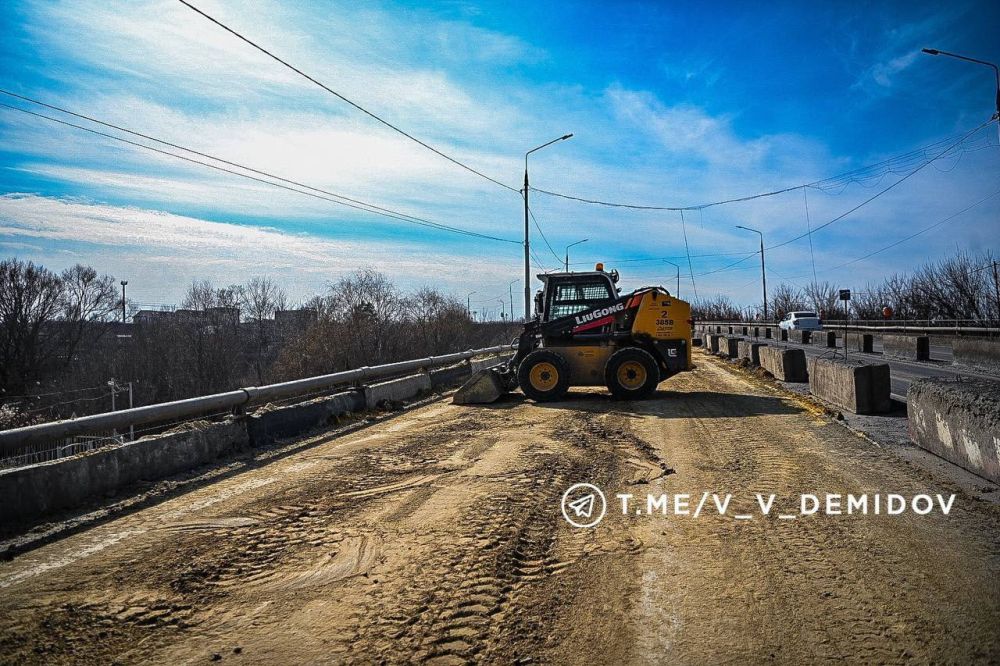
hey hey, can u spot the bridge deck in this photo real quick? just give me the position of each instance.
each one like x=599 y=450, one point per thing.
x=438 y=534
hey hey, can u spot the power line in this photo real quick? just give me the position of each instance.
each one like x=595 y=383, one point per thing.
x=345 y=99
x=542 y=234
x=82 y=116
x=884 y=190
x=687 y=250
x=331 y=197
x=888 y=166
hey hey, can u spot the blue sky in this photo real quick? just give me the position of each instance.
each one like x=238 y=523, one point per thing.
x=670 y=104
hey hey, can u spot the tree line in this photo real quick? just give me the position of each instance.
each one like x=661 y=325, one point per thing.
x=960 y=287
x=62 y=340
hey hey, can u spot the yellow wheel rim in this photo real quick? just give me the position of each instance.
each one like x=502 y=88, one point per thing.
x=543 y=376
x=631 y=375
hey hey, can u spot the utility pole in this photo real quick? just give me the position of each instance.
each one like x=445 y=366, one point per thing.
x=763 y=274
x=996 y=73
x=527 y=258
x=996 y=286
x=124 y=282
x=678 y=292
x=567 y=251
x=510 y=289
x=468 y=303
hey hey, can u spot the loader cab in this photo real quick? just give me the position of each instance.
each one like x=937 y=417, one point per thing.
x=565 y=294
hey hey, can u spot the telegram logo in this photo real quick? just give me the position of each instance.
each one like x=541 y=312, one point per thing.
x=584 y=505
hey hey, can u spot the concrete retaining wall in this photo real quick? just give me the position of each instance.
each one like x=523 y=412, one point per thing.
x=397 y=390
x=851 y=385
x=982 y=353
x=958 y=420
x=788 y=365
x=802 y=337
x=269 y=423
x=909 y=347
x=861 y=342
x=750 y=350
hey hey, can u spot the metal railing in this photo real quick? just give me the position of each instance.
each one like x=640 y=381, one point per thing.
x=12 y=441
x=938 y=326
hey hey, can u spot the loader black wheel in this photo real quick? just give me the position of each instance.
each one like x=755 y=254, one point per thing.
x=631 y=374
x=543 y=376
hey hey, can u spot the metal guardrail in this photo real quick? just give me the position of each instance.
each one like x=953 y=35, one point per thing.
x=956 y=327
x=11 y=440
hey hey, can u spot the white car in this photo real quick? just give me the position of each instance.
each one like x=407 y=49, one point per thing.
x=801 y=321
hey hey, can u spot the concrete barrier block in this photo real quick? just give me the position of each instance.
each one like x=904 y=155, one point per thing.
x=729 y=346
x=744 y=330
x=959 y=420
x=768 y=332
x=731 y=329
x=830 y=339
x=909 y=347
x=696 y=342
x=713 y=343
x=801 y=337
x=981 y=353
x=27 y=493
x=788 y=365
x=783 y=334
x=750 y=350
x=852 y=385
x=861 y=342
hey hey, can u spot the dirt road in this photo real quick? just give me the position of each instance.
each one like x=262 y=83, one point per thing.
x=438 y=536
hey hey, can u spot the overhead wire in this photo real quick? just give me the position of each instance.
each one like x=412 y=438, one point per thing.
x=896 y=164
x=343 y=98
x=333 y=198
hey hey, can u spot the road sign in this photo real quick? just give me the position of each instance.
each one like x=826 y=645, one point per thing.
x=845 y=294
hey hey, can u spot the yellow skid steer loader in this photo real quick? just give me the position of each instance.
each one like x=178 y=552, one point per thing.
x=586 y=333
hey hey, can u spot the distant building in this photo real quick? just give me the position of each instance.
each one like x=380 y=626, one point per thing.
x=144 y=317
x=292 y=322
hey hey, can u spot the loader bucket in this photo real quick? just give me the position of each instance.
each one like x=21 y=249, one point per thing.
x=485 y=386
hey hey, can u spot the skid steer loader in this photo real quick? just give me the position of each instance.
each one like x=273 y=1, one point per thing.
x=586 y=333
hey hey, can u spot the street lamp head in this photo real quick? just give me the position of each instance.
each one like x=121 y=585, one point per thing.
x=566 y=136
x=931 y=51
x=124 y=282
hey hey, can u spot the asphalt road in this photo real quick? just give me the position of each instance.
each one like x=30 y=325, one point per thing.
x=901 y=372
x=437 y=537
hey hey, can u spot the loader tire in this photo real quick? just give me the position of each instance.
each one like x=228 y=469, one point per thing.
x=631 y=374
x=543 y=376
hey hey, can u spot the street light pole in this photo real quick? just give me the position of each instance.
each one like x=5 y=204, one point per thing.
x=527 y=247
x=678 y=292
x=996 y=73
x=763 y=274
x=510 y=290
x=567 y=251
x=124 y=282
x=468 y=303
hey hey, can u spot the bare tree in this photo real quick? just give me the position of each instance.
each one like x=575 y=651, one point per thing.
x=259 y=299
x=87 y=299
x=30 y=297
x=785 y=299
x=824 y=298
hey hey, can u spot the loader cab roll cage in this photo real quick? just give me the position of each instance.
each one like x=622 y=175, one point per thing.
x=566 y=294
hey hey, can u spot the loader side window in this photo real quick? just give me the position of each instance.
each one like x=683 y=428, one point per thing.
x=572 y=297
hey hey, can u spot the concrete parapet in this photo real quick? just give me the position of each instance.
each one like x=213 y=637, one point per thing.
x=750 y=350
x=852 y=385
x=799 y=336
x=861 y=342
x=270 y=423
x=29 y=492
x=788 y=365
x=982 y=353
x=959 y=420
x=908 y=347
x=397 y=390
